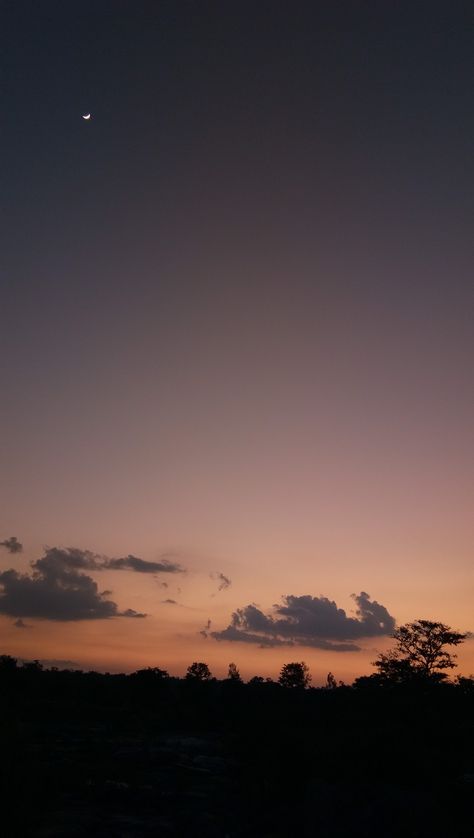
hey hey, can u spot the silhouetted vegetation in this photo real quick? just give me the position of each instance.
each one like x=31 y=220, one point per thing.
x=420 y=652
x=198 y=671
x=295 y=675
x=149 y=754
x=234 y=674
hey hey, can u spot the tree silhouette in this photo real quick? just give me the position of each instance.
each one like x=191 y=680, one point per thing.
x=233 y=673
x=33 y=666
x=295 y=675
x=331 y=682
x=198 y=671
x=420 y=652
x=7 y=664
x=150 y=674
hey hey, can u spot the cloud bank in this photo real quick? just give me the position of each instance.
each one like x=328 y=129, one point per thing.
x=309 y=621
x=58 y=589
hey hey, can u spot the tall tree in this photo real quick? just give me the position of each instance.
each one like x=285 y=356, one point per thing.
x=420 y=651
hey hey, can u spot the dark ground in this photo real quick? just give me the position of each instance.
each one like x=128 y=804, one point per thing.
x=131 y=757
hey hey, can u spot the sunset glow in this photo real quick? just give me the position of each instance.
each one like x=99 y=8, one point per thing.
x=237 y=337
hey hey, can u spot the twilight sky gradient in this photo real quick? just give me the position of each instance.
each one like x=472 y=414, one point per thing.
x=237 y=330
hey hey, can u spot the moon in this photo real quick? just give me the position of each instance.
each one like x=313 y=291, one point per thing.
x=86 y=116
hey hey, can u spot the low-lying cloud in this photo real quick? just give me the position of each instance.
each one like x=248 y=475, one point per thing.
x=309 y=621
x=58 y=588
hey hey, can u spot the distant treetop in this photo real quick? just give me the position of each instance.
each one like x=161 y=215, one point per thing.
x=198 y=671
x=295 y=675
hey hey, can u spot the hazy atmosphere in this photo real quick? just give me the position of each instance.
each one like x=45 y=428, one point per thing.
x=237 y=345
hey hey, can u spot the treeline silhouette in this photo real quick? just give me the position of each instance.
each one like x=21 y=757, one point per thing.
x=147 y=754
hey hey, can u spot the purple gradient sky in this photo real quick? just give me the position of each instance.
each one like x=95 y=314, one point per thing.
x=237 y=313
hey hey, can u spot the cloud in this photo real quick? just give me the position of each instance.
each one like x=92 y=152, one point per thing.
x=56 y=589
x=224 y=581
x=142 y=566
x=205 y=631
x=12 y=545
x=72 y=558
x=309 y=621
x=78 y=559
x=19 y=624
x=234 y=633
x=169 y=602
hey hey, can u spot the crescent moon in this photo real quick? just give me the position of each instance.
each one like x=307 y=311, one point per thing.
x=86 y=116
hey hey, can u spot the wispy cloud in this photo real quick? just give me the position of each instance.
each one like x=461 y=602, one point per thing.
x=223 y=581
x=205 y=631
x=141 y=565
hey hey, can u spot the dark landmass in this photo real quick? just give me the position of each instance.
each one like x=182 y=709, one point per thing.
x=145 y=756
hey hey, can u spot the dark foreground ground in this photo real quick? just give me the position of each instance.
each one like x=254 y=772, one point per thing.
x=127 y=757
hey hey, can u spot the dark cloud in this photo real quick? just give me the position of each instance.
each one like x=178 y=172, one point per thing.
x=309 y=621
x=71 y=557
x=56 y=589
x=373 y=616
x=12 y=545
x=224 y=581
x=234 y=633
x=169 y=602
x=78 y=559
x=142 y=566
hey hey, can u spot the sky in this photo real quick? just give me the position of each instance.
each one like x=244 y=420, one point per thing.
x=236 y=353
